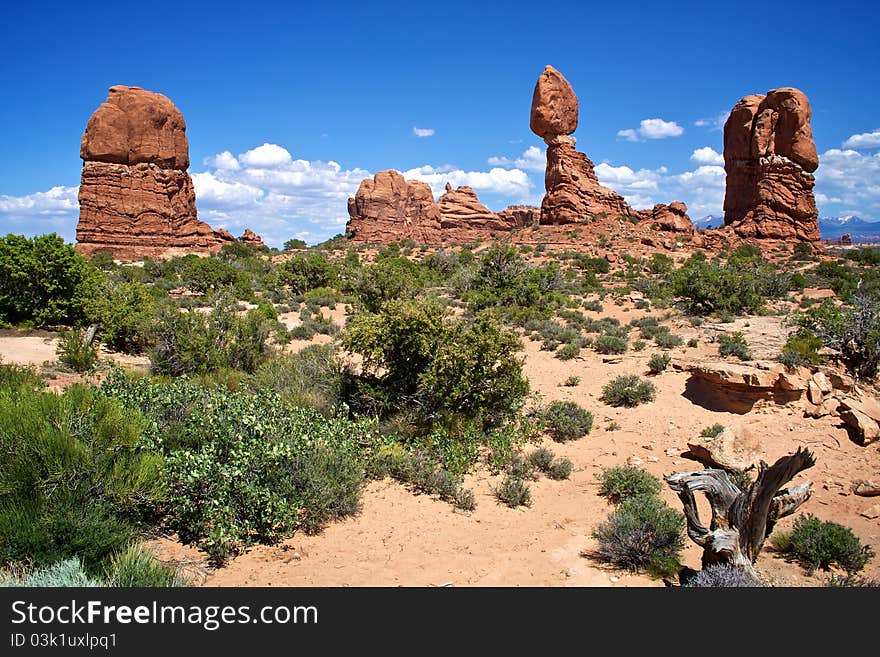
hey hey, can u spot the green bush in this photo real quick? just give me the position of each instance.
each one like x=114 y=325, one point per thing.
x=194 y=342
x=245 y=468
x=818 y=544
x=307 y=272
x=566 y=420
x=137 y=566
x=734 y=344
x=642 y=532
x=541 y=459
x=610 y=344
x=75 y=352
x=658 y=363
x=560 y=469
x=571 y=381
x=513 y=492
x=14 y=377
x=623 y=482
x=125 y=311
x=801 y=348
x=75 y=479
x=628 y=390
x=311 y=377
x=666 y=340
x=568 y=351
x=44 y=281
x=440 y=364
x=712 y=432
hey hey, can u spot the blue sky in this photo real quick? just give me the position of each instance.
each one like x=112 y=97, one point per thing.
x=306 y=99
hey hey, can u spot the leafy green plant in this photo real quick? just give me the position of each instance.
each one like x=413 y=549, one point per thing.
x=623 y=482
x=712 y=432
x=76 y=352
x=566 y=420
x=560 y=469
x=658 y=363
x=818 y=544
x=137 y=566
x=628 y=390
x=610 y=344
x=541 y=459
x=571 y=381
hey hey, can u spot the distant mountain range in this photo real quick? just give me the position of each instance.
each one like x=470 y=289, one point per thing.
x=832 y=228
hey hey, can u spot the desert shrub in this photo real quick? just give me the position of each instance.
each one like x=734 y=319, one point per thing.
x=75 y=352
x=566 y=420
x=294 y=244
x=851 y=580
x=693 y=342
x=667 y=340
x=639 y=345
x=642 y=532
x=306 y=272
x=568 y=351
x=465 y=499
x=722 y=576
x=801 y=348
x=541 y=459
x=386 y=280
x=74 y=477
x=661 y=264
x=623 y=482
x=203 y=275
x=818 y=544
x=658 y=363
x=741 y=285
x=513 y=492
x=560 y=469
x=854 y=332
x=593 y=305
x=244 y=468
x=137 y=566
x=194 y=342
x=712 y=432
x=595 y=265
x=521 y=468
x=311 y=377
x=66 y=573
x=571 y=381
x=610 y=344
x=628 y=390
x=44 y=281
x=124 y=311
x=438 y=363
x=734 y=344
x=14 y=377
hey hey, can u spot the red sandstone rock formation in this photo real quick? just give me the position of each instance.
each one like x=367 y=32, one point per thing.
x=388 y=208
x=672 y=217
x=770 y=156
x=136 y=198
x=250 y=237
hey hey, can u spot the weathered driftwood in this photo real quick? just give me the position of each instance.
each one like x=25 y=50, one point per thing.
x=89 y=335
x=741 y=520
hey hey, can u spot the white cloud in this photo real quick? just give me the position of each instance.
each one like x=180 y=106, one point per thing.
x=423 y=132
x=224 y=160
x=532 y=159
x=848 y=182
x=707 y=155
x=265 y=156
x=652 y=129
x=56 y=210
x=865 y=140
x=508 y=182
x=713 y=123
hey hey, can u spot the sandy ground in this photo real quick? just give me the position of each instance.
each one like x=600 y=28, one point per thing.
x=414 y=540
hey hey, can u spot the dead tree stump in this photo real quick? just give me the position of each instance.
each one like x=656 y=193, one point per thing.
x=741 y=520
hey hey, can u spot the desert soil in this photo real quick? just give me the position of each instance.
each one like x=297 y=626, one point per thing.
x=403 y=539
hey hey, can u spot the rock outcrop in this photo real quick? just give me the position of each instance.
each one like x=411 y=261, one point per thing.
x=732 y=449
x=573 y=192
x=136 y=198
x=250 y=237
x=388 y=208
x=770 y=157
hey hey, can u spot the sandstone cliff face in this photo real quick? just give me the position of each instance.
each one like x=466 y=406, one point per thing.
x=672 y=217
x=250 y=237
x=136 y=198
x=770 y=156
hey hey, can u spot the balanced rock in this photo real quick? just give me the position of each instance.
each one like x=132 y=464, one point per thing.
x=770 y=157
x=136 y=198
x=554 y=105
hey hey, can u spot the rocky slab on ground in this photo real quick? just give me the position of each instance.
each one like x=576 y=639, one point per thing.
x=770 y=157
x=732 y=449
x=136 y=198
